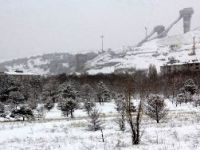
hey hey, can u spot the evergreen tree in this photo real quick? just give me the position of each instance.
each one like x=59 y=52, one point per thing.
x=190 y=86
x=16 y=97
x=156 y=108
x=103 y=93
x=2 y=110
x=5 y=83
x=16 y=94
x=186 y=92
x=67 y=98
x=36 y=87
x=88 y=96
x=87 y=93
x=49 y=93
x=152 y=72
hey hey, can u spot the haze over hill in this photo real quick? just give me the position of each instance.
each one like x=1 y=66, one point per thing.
x=157 y=52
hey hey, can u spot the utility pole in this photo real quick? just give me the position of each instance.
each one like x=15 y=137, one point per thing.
x=194 y=46
x=146 y=31
x=102 y=37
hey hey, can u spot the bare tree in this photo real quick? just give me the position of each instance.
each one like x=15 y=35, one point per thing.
x=120 y=103
x=156 y=108
x=95 y=122
x=88 y=96
x=40 y=109
x=134 y=122
x=88 y=106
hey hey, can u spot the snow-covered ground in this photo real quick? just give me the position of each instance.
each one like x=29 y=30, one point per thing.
x=180 y=131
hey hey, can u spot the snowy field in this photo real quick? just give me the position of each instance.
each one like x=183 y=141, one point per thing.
x=180 y=131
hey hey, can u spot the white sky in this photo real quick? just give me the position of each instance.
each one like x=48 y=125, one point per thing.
x=32 y=27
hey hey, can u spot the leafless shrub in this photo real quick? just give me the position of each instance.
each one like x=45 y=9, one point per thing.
x=95 y=122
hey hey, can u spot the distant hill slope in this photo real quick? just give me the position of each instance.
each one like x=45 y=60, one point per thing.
x=50 y=64
x=157 y=52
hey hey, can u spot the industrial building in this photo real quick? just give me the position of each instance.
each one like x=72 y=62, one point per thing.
x=180 y=67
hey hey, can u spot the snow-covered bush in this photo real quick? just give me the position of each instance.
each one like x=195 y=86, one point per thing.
x=155 y=107
x=49 y=104
x=23 y=112
x=186 y=92
x=196 y=100
x=40 y=111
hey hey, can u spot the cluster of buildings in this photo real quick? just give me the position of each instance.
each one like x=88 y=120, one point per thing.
x=180 y=67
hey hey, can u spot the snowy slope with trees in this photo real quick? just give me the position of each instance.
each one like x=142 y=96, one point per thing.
x=51 y=64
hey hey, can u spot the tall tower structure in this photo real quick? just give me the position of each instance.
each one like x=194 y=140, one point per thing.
x=186 y=14
x=102 y=37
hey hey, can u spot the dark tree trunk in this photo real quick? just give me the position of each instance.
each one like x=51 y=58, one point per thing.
x=71 y=112
x=102 y=135
x=157 y=116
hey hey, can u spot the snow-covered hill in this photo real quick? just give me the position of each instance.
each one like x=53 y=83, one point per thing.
x=50 y=64
x=157 y=52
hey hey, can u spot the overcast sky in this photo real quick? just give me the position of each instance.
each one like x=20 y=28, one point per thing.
x=32 y=27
